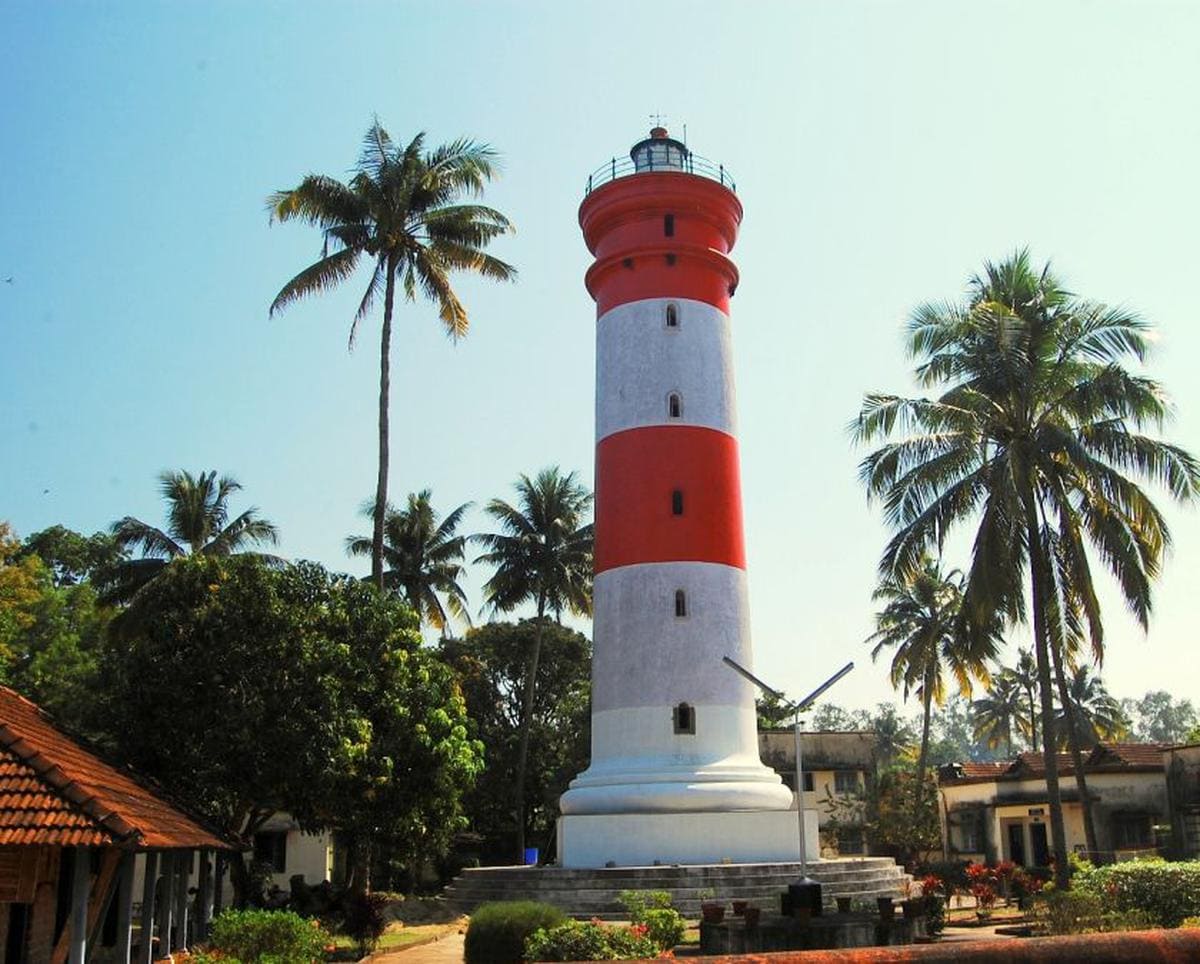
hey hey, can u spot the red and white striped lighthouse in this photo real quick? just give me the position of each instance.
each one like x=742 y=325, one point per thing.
x=675 y=774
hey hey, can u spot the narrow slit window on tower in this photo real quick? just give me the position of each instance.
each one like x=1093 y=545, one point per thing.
x=672 y=316
x=669 y=225
x=685 y=719
x=628 y=263
x=680 y=604
x=677 y=502
x=670 y=261
x=674 y=405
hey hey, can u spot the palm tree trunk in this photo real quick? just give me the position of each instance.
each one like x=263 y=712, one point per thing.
x=381 y=483
x=1037 y=571
x=1064 y=697
x=923 y=757
x=527 y=724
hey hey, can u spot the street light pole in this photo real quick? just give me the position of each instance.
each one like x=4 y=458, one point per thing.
x=797 y=708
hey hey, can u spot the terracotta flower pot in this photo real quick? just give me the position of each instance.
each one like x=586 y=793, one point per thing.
x=752 y=914
x=739 y=907
x=887 y=910
x=712 y=912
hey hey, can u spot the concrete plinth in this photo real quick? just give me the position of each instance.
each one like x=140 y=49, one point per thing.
x=641 y=839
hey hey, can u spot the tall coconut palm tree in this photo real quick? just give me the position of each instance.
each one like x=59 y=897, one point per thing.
x=1025 y=673
x=423 y=558
x=543 y=556
x=198 y=523
x=1097 y=714
x=921 y=623
x=401 y=209
x=1001 y=712
x=1036 y=435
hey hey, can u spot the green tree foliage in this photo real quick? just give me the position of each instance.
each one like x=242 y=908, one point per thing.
x=74 y=558
x=542 y=555
x=1037 y=440
x=198 y=523
x=424 y=557
x=22 y=581
x=491 y=662
x=1001 y=713
x=247 y=689
x=1160 y=718
x=1097 y=715
x=403 y=211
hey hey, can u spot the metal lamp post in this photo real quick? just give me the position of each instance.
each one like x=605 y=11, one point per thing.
x=797 y=708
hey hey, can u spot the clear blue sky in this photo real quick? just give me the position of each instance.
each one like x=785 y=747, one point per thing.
x=882 y=151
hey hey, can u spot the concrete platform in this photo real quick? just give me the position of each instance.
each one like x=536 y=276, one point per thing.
x=641 y=839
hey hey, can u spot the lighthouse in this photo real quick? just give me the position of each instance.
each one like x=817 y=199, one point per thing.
x=675 y=774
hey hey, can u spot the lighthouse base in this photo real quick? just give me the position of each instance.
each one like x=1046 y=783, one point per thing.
x=643 y=839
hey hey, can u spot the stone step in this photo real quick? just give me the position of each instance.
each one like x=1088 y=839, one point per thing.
x=594 y=893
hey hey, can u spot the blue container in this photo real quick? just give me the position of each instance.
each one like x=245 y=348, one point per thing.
x=531 y=856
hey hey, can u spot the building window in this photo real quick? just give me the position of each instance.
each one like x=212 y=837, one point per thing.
x=270 y=848
x=845 y=781
x=677 y=502
x=680 y=604
x=669 y=225
x=670 y=261
x=1131 y=831
x=672 y=316
x=810 y=783
x=685 y=719
x=674 y=405
x=850 y=840
x=628 y=263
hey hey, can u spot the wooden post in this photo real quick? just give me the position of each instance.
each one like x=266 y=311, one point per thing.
x=183 y=868
x=125 y=908
x=149 y=886
x=81 y=885
x=166 y=904
x=204 y=902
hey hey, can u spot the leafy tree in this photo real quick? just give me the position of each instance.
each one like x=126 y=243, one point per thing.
x=899 y=816
x=74 y=558
x=543 y=555
x=198 y=523
x=772 y=712
x=1160 y=718
x=402 y=209
x=954 y=738
x=1001 y=712
x=921 y=623
x=246 y=690
x=831 y=717
x=1025 y=672
x=1037 y=436
x=424 y=558
x=894 y=735
x=22 y=580
x=492 y=663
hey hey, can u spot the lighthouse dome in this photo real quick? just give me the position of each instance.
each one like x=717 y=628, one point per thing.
x=659 y=152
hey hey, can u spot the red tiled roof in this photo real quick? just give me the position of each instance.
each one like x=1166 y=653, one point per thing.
x=1128 y=754
x=975 y=770
x=54 y=792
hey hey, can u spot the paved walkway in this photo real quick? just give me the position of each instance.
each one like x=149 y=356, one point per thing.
x=449 y=949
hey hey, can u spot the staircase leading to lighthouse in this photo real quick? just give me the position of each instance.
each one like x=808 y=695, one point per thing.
x=594 y=892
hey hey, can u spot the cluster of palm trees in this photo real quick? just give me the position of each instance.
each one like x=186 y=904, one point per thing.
x=1036 y=440
x=1007 y=712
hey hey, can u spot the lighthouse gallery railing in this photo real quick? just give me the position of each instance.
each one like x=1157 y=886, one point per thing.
x=693 y=164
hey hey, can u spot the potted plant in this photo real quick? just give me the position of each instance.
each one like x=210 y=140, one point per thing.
x=712 y=911
x=752 y=915
x=912 y=905
x=739 y=907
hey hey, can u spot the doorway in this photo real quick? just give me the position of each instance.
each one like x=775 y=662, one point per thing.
x=1039 y=844
x=1016 y=843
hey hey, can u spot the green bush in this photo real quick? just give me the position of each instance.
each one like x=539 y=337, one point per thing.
x=363 y=920
x=665 y=927
x=1080 y=912
x=637 y=902
x=267 y=937
x=1166 y=892
x=498 y=931
x=590 y=941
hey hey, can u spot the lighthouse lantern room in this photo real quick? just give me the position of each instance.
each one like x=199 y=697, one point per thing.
x=675 y=774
